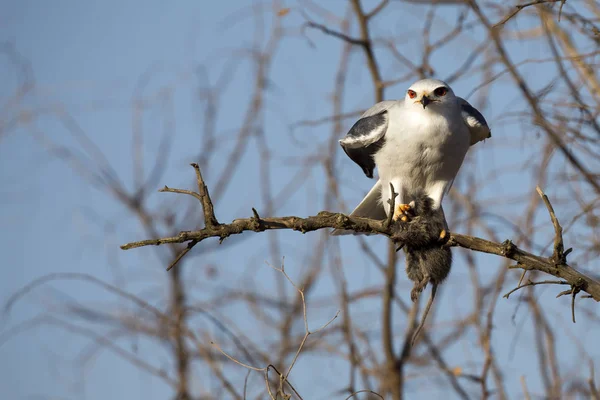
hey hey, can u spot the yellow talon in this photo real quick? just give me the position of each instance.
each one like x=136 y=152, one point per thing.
x=400 y=213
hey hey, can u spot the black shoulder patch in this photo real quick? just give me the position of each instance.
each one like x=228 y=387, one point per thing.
x=473 y=112
x=367 y=127
x=363 y=156
x=364 y=139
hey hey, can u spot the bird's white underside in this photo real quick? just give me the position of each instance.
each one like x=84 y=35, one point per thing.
x=424 y=149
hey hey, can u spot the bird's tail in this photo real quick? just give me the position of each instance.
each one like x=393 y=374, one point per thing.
x=369 y=207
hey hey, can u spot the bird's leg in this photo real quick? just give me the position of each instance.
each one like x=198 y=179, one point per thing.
x=403 y=212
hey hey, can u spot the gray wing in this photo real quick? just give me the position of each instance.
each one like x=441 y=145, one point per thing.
x=477 y=125
x=366 y=136
x=369 y=207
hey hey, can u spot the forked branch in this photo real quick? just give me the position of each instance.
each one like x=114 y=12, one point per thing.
x=556 y=265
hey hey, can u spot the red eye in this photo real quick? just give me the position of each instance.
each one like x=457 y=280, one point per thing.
x=412 y=94
x=441 y=91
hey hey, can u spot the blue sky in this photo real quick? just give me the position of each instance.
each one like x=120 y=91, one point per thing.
x=88 y=59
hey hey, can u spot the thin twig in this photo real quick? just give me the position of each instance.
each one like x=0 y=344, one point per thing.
x=167 y=189
x=573 y=295
x=520 y=7
x=530 y=283
x=377 y=9
x=593 y=389
x=220 y=350
x=562 y=3
x=286 y=381
x=267 y=383
x=364 y=391
x=307 y=332
x=392 y=203
x=283 y=379
x=525 y=390
x=325 y=120
x=207 y=206
x=182 y=253
x=521 y=278
x=246 y=383
x=558 y=255
x=339 y=35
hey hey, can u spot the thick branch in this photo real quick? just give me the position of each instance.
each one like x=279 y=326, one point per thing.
x=529 y=262
x=324 y=220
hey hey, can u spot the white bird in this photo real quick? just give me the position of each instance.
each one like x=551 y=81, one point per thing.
x=418 y=143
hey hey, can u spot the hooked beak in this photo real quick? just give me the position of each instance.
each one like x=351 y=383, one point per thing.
x=425 y=100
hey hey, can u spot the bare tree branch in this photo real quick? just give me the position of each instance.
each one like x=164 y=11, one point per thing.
x=520 y=7
x=325 y=219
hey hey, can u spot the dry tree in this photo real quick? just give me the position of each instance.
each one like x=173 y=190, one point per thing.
x=532 y=65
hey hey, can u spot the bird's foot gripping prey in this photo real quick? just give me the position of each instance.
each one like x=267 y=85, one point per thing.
x=402 y=212
x=427 y=259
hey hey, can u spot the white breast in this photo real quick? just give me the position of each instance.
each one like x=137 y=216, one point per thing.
x=423 y=150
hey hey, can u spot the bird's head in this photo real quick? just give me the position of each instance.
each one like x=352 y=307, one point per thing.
x=430 y=93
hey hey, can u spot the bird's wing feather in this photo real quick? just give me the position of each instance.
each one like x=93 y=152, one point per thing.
x=478 y=127
x=366 y=136
x=381 y=106
x=369 y=207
